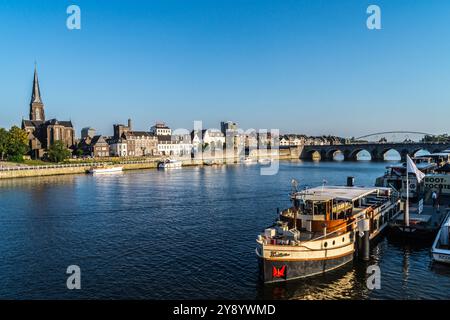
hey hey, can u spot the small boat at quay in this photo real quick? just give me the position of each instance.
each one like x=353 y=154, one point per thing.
x=264 y=161
x=105 y=169
x=441 y=245
x=249 y=161
x=170 y=164
x=323 y=230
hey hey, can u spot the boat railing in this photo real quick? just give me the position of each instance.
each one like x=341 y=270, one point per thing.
x=336 y=232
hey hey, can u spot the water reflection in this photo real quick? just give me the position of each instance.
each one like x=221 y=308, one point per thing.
x=344 y=283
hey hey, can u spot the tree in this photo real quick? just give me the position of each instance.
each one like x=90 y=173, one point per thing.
x=79 y=152
x=58 y=152
x=17 y=144
x=3 y=142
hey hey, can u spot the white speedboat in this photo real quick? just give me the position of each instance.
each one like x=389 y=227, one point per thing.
x=264 y=161
x=105 y=169
x=441 y=246
x=249 y=161
x=170 y=164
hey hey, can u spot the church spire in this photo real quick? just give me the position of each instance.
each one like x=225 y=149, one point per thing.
x=36 y=94
x=36 y=106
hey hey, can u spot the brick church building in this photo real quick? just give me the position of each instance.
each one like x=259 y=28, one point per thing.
x=43 y=133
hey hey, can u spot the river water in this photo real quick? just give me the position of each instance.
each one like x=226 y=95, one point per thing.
x=183 y=234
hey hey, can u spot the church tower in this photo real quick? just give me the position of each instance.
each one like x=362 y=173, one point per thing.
x=36 y=105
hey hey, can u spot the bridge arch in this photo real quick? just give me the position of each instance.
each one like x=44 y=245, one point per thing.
x=376 y=134
x=314 y=154
x=353 y=154
x=330 y=154
x=384 y=153
x=421 y=151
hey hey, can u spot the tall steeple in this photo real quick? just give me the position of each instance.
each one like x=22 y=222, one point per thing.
x=36 y=105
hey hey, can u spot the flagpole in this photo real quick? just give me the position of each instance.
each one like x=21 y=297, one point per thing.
x=406 y=217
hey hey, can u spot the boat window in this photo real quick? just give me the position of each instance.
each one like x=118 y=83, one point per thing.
x=325 y=244
x=343 y=239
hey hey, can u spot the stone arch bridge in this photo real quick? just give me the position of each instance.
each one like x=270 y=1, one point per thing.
x=376 y=150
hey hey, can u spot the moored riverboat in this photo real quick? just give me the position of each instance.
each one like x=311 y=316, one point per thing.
x=395 y=177
x=105 y=169
x=249 y=161
x=170 y=164
x=323 y=230
x=264 y=161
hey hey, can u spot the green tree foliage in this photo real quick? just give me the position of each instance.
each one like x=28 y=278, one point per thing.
x=3 y=143
x=58 y=152
x=442 y=138
x=16 y=144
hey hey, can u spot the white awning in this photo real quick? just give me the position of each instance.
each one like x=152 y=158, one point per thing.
x=327 y=193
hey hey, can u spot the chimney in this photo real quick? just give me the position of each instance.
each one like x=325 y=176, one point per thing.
x=129 y=125
x=350 y=181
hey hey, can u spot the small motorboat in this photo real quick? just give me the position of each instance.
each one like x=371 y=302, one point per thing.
x=105 y=169
x=249 y=161
x=264 y=161
x=170 y=164
x=441 y=245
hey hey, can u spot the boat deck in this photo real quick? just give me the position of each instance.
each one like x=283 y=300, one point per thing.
x=430 y=218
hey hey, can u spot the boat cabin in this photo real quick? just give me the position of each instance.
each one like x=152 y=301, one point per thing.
x=331 y=207
x=439 y=158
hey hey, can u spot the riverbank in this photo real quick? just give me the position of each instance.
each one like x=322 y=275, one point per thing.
x=80 y=168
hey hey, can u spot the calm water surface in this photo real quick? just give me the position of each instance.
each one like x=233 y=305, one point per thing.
x=186 y=233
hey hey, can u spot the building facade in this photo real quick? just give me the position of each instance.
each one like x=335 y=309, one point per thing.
x=160 y=129
x=129 y=143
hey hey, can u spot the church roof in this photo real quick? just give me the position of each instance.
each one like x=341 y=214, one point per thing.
x=36 y=123
x=61 y=123
x=31 y=123
x=36 y=93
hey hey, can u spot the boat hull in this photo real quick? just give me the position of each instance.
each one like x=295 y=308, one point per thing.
x=106 y=171
x=170 y=165
x=279 y=271
x=442 y=257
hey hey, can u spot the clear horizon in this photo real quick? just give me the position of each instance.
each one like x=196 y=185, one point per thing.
x=297 y=66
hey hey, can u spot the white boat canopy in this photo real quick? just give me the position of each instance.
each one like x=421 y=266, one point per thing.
x=341 y=193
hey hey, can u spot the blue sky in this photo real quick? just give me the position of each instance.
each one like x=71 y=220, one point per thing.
x=299 y=66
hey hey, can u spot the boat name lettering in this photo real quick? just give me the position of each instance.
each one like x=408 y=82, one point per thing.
x=279 y=254
x=444 y=257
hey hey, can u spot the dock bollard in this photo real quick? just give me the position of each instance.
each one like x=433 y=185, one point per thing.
x=364 y=229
